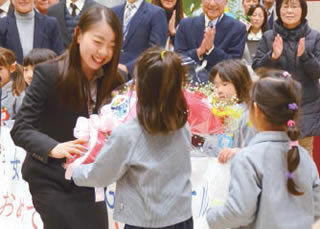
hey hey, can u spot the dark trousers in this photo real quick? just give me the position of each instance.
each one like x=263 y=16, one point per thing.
x=188 y=224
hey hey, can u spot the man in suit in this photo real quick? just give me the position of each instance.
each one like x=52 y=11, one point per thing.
x=144 y=25
x=26 y=29
x=67 y=13
x=269 y=5
x=212 y=37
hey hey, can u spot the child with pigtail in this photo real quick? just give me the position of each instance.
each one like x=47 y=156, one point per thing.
x=274 y=181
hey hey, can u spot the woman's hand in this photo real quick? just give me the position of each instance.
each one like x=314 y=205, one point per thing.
x=68 y=149
x=277 y=47
x=226 y=154
x=172 y=24
x=301 y=47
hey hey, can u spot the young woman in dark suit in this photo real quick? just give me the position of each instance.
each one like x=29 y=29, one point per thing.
x=75 y=84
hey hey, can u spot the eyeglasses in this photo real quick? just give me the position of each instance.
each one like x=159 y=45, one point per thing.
x=294 y=7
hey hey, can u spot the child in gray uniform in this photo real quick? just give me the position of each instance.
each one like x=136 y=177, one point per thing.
x=232 y=79
x=149 y=156
x=274 y=182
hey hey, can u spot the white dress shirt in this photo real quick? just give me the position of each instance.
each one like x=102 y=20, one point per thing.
x=137 y=5
x=5 y=9
x=78 y=3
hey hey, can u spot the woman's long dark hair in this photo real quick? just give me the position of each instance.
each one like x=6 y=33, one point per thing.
x=178 y=7
x=71 y=79
x=273 y=93
x=264 y=26
x=161 y=105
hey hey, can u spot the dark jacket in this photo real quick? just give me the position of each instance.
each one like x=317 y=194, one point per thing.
x=46 y=34
x=305 y=69
x=41 y=124
x=148 y=27
x=58 y=11
x=229 y=41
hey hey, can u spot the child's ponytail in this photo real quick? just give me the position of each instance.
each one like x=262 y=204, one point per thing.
x=280 y=109
x=18 y=84
x=293 y=157
x=8 y=59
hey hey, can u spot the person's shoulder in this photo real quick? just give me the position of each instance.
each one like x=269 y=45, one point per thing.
x=230 y=21
x=47 y=69
x=151 y=7
x=188 y=21
x=128 y=131
x=52 y=10
x=268 y=34
x=118 y=8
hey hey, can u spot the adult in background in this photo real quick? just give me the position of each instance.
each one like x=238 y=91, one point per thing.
x=5 y=8
x=246 y=4
x=269 y=6
x=174 y=12
x=294 y=47
x=68 y=13
x=26 y=29
x=211 y=38
x=258 y=25
x=144 y=25
x=43 y=5
x=75 y=84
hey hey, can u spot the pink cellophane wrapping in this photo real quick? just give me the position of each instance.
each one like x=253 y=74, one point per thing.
x=201 y=119
x=96 y=128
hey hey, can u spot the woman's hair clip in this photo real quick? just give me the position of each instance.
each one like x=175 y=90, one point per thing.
x=162 y=53
x=286 y=75
x=289 y=175
x=293 y=143
x=291 y=123
x=293 y=106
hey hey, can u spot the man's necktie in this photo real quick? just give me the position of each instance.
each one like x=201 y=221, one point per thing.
x=127 y=17
x=74 y=9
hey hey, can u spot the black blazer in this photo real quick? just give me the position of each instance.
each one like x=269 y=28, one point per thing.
x=42 y=122
x=46 y=34
x=57 y=11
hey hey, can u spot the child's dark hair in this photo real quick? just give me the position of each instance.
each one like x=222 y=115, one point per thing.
x=7 y=58
x=264 y=26
x=38 y=55
x=235 y=72
x=278 y=97
x=159 y=78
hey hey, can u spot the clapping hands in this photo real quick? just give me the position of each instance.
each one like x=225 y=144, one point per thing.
x=277 y=47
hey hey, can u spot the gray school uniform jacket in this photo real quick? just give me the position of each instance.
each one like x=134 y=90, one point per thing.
x=9 y=101
x=258 y=196
x=245 y=131
x=152 y=174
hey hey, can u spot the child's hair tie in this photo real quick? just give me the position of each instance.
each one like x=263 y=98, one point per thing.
x=289 y=175
x=162 y=53
x=291 y=123
x=293 y=143
x=286 y=75
x=293 y=106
